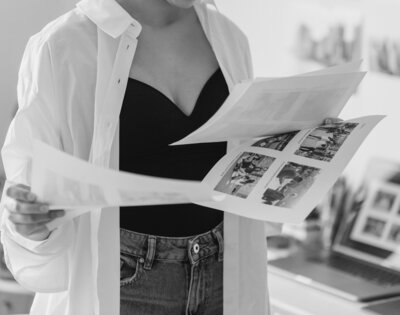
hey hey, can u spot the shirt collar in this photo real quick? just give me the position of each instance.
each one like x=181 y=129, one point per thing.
x=108 y=15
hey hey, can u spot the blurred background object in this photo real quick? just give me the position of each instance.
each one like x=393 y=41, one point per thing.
x=335 y=31
x=349 y=246
x=317 y=233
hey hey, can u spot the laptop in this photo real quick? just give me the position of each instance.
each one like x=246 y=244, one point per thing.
x=362 y=264
x=390 y=307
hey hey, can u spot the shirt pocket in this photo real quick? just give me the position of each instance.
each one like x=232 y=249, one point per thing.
x=131 y=269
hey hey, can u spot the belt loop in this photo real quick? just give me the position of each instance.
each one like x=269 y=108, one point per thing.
x=151 y=250
x=190 y=243
x=218 y=235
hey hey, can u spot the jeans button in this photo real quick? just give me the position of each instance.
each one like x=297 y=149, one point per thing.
x=196 y=248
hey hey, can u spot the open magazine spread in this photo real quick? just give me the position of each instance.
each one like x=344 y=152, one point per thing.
x=278 y=178
x=283 y=177
x=280 y=173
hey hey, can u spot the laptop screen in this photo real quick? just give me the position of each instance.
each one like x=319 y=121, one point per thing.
x=351 y=246
x=373 y=233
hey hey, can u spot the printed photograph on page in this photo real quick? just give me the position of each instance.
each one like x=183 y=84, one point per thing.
x=325 y=141
x=277 y=142
x=290 y=184
x=241 y=178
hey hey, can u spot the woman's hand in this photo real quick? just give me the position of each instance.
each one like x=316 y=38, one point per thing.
x=330 y=121
x=29 y=216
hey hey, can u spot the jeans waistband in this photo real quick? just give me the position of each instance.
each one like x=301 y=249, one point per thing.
x=189 y=248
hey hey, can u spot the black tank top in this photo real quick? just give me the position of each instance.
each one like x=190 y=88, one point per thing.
x=149 y=122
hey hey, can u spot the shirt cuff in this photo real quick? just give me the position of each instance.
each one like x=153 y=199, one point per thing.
x=20 y=239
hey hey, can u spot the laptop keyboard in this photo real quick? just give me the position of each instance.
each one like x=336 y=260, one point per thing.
x=364 y=270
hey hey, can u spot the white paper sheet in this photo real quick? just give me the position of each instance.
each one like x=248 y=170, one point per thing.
x=277 y=178
x=66 y=182
x=348 y=67
x=272 y=106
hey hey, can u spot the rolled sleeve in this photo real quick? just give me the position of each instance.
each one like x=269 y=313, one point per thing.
x=38 y=266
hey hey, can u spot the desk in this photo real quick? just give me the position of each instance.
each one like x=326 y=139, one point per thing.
x=292 y=298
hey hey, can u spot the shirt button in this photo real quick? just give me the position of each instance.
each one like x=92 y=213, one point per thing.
x=196 y=248
x=141 y=260
x=119 y=81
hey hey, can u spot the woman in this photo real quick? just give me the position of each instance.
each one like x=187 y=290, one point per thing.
x=79 y=81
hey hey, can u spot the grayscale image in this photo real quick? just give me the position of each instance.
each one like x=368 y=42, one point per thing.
x=374 y=227
x=176 y=136
x=240 y=179
x=290 y=185
x=384 y=56
x=325 y=141
x=277 y=142
x=383 y=201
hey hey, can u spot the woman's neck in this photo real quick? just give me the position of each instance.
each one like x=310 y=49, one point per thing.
x=154 y=13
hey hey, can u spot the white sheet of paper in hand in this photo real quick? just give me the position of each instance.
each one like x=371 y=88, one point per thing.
x=279 y=178
x=270 y=106
x=66 y=182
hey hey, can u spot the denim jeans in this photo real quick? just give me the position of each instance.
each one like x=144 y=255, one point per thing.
x=172 y=275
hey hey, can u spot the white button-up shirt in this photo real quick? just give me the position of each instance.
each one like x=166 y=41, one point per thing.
x=71 y=86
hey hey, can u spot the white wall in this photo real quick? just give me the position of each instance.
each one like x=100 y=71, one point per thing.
x=267 y=23
x=19 y=19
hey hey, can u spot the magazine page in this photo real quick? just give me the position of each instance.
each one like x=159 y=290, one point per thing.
x=66 y=182
x=282 y=178
x=271 y=106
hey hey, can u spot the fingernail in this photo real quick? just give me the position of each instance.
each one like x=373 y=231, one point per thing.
x=31 y=197
x=60 y=213
x=44 y=208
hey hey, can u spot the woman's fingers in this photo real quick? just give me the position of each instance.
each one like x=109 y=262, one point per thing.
x=21 y=193
x=330 y=121
x=33 y=226
x=16 y=206
x=34 y=219
x=28 y=216
x=40 y=231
